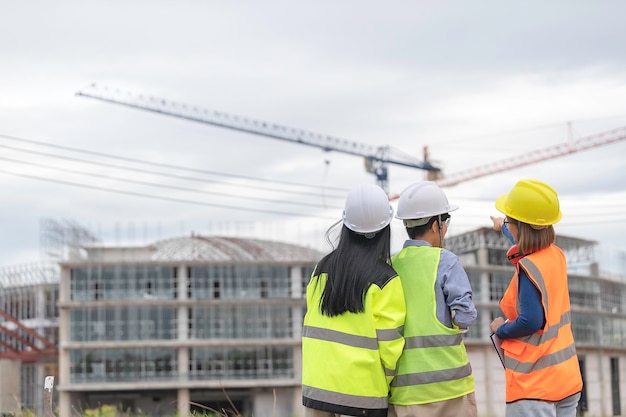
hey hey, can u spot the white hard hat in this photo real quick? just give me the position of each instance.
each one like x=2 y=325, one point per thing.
x=421 y=201
x=367 y=209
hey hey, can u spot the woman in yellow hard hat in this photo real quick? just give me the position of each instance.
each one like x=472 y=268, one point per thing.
x=542 y=372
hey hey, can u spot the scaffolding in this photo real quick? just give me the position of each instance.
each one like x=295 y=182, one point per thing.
x=582 y=255
x=62 y=239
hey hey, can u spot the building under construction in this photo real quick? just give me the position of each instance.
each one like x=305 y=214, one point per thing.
x=205 y=321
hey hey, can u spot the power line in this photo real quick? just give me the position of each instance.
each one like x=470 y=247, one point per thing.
x=164 y=198
x=163 y=165
x=145 y=171
x=171 y=187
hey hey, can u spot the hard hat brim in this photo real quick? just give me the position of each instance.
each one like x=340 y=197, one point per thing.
x=502 y=207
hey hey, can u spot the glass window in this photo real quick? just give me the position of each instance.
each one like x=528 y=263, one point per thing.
x=261 y=362
x=613 y=331
x=583 y=405
x=497 y=257
x=583 y=292
x=306 y=277
x=122 y=365
x=615 y=391
x=611 y=297
x=122 y=282
x=122 y=323
x=585 y=327
x=242 y=322
x=474 y=279
x=240 y=281
x=498 y=283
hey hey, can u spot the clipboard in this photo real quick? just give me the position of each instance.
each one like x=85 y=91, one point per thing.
x=497 y=344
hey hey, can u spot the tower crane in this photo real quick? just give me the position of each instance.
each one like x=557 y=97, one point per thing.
x=535 y=156
x=376 y=158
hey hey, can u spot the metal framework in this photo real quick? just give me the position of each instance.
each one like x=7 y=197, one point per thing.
x=578 y=251
x=32 y=352
x=538 y=155
x=57 y=236
x=24 y=293
x=376 y=158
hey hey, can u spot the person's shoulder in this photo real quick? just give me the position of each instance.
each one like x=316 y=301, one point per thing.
x=383 y=273
x=448 y=255
x=556 y=248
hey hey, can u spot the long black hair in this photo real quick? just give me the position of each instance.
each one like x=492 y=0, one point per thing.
x=356 y=263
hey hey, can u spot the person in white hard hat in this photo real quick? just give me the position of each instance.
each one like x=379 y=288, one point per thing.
x=434 y=376
x=352 y=334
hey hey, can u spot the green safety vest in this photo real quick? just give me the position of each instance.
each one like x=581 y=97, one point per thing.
x=434 y=365
x=349 y=360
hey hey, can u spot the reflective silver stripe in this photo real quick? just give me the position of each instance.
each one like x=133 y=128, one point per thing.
x=439 y=340
x=340 y=337
x=543 y=362
x=532 y=269
x=357 y=401
x=388 y=335
x=536 y=339
x=390 y=372
x=429 y=377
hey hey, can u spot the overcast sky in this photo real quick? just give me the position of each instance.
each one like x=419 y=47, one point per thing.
x=475 y=82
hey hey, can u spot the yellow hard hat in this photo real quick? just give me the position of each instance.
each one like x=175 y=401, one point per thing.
x=532 y=202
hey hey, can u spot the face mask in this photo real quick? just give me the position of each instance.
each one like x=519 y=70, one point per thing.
x=507 y=233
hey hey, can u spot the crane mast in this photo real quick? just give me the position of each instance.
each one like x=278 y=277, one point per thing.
x=376 y=158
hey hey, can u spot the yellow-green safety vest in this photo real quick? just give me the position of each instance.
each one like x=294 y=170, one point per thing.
x=434 y=365
x=349 y=360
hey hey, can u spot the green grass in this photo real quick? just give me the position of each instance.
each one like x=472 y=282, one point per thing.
x=114 y=411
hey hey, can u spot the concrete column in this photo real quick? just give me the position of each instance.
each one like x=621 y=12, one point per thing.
x=296 y=282
x=65 y=400
x=182 y=329
x=184 y=398
x=40 y=312
x=10 y=398
x=296 y=292
x=482 y=258
x=605 y=397
x=182 y=333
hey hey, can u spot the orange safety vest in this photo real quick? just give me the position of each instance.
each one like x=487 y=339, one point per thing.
x=544 y=365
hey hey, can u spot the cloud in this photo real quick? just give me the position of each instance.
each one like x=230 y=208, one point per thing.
x=474 y=83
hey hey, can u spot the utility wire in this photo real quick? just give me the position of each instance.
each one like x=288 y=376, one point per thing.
x=145 y=171
x=171 y=187
x=164 y=165
x=599 y=213
x=173 y=199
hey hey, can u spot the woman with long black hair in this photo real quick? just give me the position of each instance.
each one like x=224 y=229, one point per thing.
x=352 y=335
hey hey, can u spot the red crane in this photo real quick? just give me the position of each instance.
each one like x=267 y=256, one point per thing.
x=519 y=160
